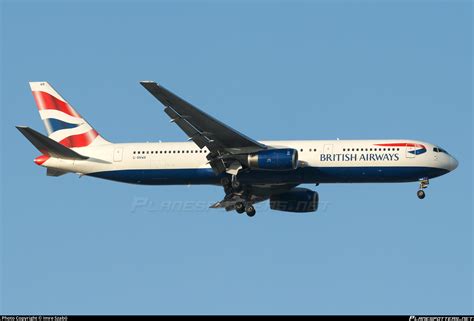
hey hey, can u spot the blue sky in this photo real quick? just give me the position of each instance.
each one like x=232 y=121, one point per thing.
x=272 y=70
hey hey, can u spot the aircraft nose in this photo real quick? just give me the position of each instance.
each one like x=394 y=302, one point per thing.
x=453 y=163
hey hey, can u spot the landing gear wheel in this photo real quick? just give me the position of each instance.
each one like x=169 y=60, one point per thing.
x=420 y=194
x=250 y=210
x=239 y=207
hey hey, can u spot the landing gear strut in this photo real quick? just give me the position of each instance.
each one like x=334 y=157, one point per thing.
x=423 y=184
x=231 y=185
x=236 y=185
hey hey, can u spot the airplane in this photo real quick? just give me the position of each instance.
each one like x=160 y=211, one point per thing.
x=249 y=171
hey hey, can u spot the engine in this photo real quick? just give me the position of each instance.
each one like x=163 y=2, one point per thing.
x=297 y=200
x=274 y=159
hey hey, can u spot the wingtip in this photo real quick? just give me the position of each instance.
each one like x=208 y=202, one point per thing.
x=149 y=83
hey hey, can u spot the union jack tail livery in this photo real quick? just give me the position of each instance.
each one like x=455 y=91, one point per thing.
x=63 y=124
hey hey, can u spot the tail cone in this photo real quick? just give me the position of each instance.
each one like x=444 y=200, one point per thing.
x=41 y=159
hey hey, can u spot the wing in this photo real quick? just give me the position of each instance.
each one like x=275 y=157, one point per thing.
x=200 y=127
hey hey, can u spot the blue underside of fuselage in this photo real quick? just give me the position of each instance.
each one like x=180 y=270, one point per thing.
x=202 y=176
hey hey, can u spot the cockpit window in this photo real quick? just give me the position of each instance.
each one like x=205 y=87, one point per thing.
x=439 y=150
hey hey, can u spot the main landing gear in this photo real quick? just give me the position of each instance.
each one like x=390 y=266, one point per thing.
x=240 y=207
x=248 y=208
x=423 y=184
x=233 y=187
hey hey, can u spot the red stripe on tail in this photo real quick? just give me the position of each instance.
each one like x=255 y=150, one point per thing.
x=46 y=101
x=80 y=140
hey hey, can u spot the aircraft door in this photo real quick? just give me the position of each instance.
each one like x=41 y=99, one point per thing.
x=328 y=149
x=118 y=152
x=409 y=149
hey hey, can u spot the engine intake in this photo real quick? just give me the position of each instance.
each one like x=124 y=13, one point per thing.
x=274 y=159
x=297 y=200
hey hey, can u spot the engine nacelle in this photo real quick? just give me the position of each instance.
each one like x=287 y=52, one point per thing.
x=297 y=200
x=274 y=159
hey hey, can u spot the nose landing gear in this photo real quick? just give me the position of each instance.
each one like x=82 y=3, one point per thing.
x=423 y=184
x=420 y=194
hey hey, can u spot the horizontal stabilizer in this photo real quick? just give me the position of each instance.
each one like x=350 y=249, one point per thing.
x=48 y=146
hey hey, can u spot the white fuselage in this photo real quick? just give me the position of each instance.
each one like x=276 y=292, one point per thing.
x=320 y=161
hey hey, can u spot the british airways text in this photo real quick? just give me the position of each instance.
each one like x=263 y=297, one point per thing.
x=358 y=157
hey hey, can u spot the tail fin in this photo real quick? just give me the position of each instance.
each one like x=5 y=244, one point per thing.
x=63 y=124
